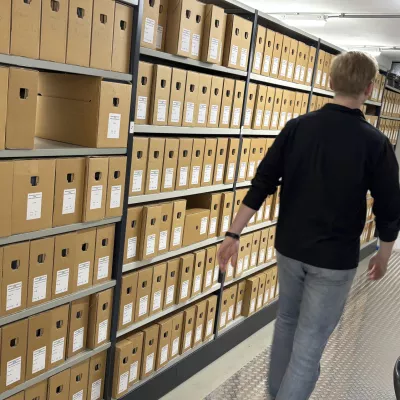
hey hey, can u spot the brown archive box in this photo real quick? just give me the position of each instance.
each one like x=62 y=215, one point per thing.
x=237 y=104
x=268 y=52
x=139 y=166
x=259 y=106
x=84 y=259
x=158 y=288
x=143 y=293
x=185 y=277
x=239 y=298
x=115 y=186
x=310 y=64
x=160 y=93
x=38 y=392
x=53 y=35
x=283 y=66
x=5 y=26
x=250 y=296
x=259 y=49
x=144 y=93
x=269 y=105
x=230 y=171
x=164 y=342
x=128 y=299
x=261 y=290
x=198 y=12
x=97 y=372
x=154 y=165
x=162 y=25
x=38 y=345
x=325 y=70
x=177 y=96
x=121 y=370
x=190 y=101
x=178 y=223
x=132 y=235
x=284 y=109
x=233 y=41
x=251 y=99
x=171 y=283
x=167 y=211
x=226 y=211
x=209 y=266
x=41 y=257
x=197 y=221
x=215 y=101
x=176 y=335
x=25 y=32
x=244 y=159
x=189 y=319
x=6 y=182
x=226 y=103
x=78 y=324
x=203 y=100
x=103 y=256
x=304 y=103
x=220 y=161
x=276 y=110
x=22 y=100
x=149 y=23
x=196 y=166
x=58 y=335
x=169 y=170
x=79 y=32
x=297 y=104
x=184 y=161
x=253 y=158
x=299 y=63
x=210 y=317
x=247 y=27
x=4 y=78
x=255 y=246
x=213 y=34
x=99 y=322
x=120 y=60
x=294 y=45
x=198 y=272
x=136 y=341
x=320 y=67
x=95 y=188
x=231 y=303
x=276 y=55
x=199 y=325
x=79 y=380
x=150 y=232
x=150 y=343
x=58 y=386
x=224 y=309
x=270 y=255
x=68 y=191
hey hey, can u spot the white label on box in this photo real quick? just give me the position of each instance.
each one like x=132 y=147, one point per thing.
x=257 y=61
x=38 y=360
x=290 y=70
x=151 y=244
x=220 y=172
x=57 y=350
x=236 y=116
x=133 y=371
x=148 y=34
x=252 y=167
x=216 y=273
x=114 y=125
x=207 y=173
x=266 y=295
x=275 y=65
x=270 y=253
x=231 y=171
x=164 y=354
x=225 y=223
x=259 y=116
x=260 y=301
x=69 y=199
x=189 y=112
x=77 y=342
x=260 y=214
x=267 y=63
x=240 y=266
x=183 y=174
x=234 y=55
x=295 y=115
x=195 y=44
x=13 y=371
x=242 y=171
x=297 y=73
x=157 y=300
x=209 y=327
x=283 y=68
x=175 y=347
x=197 y=283
x=184 y=289
x=195 y=175
x=275 y=119
x=96 y=196
x=213 y=50
x=78 y=395
x=222 y=322
x=209 y=278
x=276 y=213
x=230 y=270
x=34 y=206
x=62 y=281
x=176 y=240
x=213 y=225
x=115 y=200
x=198 y=335
x=161 y=110
x=226 y=115
x=252 y=305
x=159 y=36
x=309 y=75
x=39 y=288
x=143 y=302
x=277 y=289
x=252 y=219
x=102 y=334
x=288 y=116
x=318 y=79
x=170 y=294
x=185 y=43
x=214 y=114
x=201 y=119
x=282 y=120
x=261 y=256
x=246 y=263
x=102 y=267
x=230 y=312
x=137 y=180
x=83 y=273
x=323 y=84
x=247 y=118
x=123 y=382
x=14 y=293
x=272 y=290
x=176 y=111
x=243 y=58
x=267 y=116
x=127 y=314
x=141 y=108
x=162 y=245
x=203 y=225
x=253 y=260
x=239 y=307
x=267 y=211
x=132 y=247
x=153 y=182
x=302 y=74
x=96 y=389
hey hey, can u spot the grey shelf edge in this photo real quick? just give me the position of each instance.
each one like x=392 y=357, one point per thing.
x=59 y=67
x=70 y=362
x=243 y=184
x=373 y=103
x=187 y=61
x=274 y=81
x=255 y=132
x=129 y=2
x=178 y=193
x=56 y=231
x=263 y=225
x=363 y=246
x=171 y=254
x=56 y=302
x=392 y=89
x=168 y=311
x=391 y=118
x=323 y=91
x=183 y=130
x=332 y=46
x=250 y=272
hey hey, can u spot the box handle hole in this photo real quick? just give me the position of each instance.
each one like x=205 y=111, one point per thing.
x=34 y=180
x=59 y=389
x=78 y=377
x=116 y=101
x=153 y=221
x=144 y=80
x=188 y=14
x=15 y=264
x=70 y=178
x=122 y=25
x=80 y=12
x=105 y=306
x=117 y=174
x=59 y=324
x=97 y=176
x=104 y=242
x=103 y=18
x=85 y=246
x=178 y=85
x=133 y=223
x=41 y=258
x=14 y=342
x=79 y=314
x=163 y=83
x=64 y=252
x=55 y=5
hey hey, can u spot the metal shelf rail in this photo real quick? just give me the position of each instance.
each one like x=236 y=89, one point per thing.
x=183 y=130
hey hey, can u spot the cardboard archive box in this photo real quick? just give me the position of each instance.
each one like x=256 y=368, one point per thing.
x=250 y=296
x=190 y=101
x=5 y=27
x=198 y=271
x=136 y=341
x=259 y=106
x=269 y=105
x=38 y=391
x=239 y=298
x=59 y=322
x=283 y=65
x=244 y=159
x=128 y=299
x=310 y=64
x=103 y=257
x=158 y=288
x=197 y=221
x=224 y=309
x=132 y=235
x=268 y=52
x=162 y=25
x=149 y=355
x=164 y=342
x=177 y=96
x=251 y=99
x=154 y=165
x=220 y=160
x=203 y=100
x=213 y=34
x=150 y=23
x=97 y=371
x=294 y=45
x=261 y=290
x=115 y=186
x=189 y=319
x=259 y=49
x=215 y=101
x=185 y=277
x=226 y=211
x=144 y=93
x=231 y=303
x=78 y=326
x=171 y=282
x=143 y=293
x=200 y=322
x=139 y=166
x=184 y=161
x=230 y=167
x=150 y=232
x=226 y=103
x=210 y=317
x=209 y=161
x=4 y=78
x=209 y=268
x=58 y=386
x=79 y=380
x=6 y=182
x=176 y=335
x=121 y=368
x=276 y=55
x=237 y=104
x=167 y=210
x=196 y=167
x=178 y=223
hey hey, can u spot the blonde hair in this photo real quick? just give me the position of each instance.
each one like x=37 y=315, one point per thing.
x=352 y=72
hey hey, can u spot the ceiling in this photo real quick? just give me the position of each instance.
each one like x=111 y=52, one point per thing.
x=345 y=32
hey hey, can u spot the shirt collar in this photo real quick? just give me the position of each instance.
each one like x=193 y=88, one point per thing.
x=336 y=107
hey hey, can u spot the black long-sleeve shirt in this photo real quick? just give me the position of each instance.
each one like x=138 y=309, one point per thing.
x=326 y=161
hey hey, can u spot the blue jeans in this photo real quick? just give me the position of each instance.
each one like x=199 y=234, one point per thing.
x=311 y=302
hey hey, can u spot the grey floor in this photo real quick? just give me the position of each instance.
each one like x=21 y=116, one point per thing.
x=357 y=363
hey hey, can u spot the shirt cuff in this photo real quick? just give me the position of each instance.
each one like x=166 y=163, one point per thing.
x=254 y=198
x=387 y=235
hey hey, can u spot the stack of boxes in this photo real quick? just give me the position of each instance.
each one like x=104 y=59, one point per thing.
x=391 y=104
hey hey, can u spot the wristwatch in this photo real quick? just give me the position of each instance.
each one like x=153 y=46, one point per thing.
x=232 y=235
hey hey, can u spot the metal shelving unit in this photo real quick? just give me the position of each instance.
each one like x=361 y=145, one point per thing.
x=250 y=272
x=182 y=130
x=391 y=118
x=261 y=132
x=392 y=89
x=278 y=82
x=243 y=184
x=323 y=91
x=256 y=227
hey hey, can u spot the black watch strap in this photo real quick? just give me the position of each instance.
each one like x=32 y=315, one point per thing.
x=232 y=235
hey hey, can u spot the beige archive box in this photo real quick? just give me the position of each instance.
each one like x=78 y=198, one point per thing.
x=177 y=96
x=5 y=26
x=203 y=100
x=237 y=104
x=144 y=93
x=259 y=49
x=150 y=23
x=213 y=34
x=160 y=94
x=162 y=25
x=226 y=103
x=215 y=101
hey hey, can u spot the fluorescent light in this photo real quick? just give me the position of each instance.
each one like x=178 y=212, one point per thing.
x=303 y=21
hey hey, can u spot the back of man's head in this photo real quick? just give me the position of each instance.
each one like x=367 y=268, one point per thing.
x=352 y=73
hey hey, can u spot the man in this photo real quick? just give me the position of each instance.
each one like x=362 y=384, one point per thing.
x=325 y=161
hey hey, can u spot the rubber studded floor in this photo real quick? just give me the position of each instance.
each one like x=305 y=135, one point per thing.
x=359 y=359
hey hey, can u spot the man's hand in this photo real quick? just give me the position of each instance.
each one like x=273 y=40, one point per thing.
x=377 y=267
x=229 y=249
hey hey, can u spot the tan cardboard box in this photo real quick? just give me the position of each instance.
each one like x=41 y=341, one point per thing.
x=224 y=309
x=276 y=109
x=185 y=277
x=203 y=100
x=209 y=162
x=4 y=78
x=267 y=286
x=260 y=214
x=197 y=162
x=320 y=68
x=120 y=60
x=189 y=319
x=149 y=350
x=84 y=259
x=269 y=106
x=171 y=283
x=244 y=254
x=58 y=386
x=261 y=291
x=297 y=104
x=251 y=99
x=5 y=26
x=139 y=165
x=99 y=323
x=162 y=25
x=299 y=63
x=122 y=364
x=150 y=231
x=200 y=323
x=276 y=55
x=6 y=182
x=231 y=161
x=41 y=256
x=198 y=12
x=255 y=247
x=325 y=70
x=158 y=288
x=244 y=159
x=38 y=391
x=232 y=303
x=211 y=257
x=79 y=32
x=262 y=253
x=184 y=161
x=136 y=356
x=310 y=64
x=226 y=211
x=178 y=222
x=283 y=66
x=220 y=160
x=143 y=93
x=213 y=34
x=128 y=299
x=167 y=212
x=102 y=34
x=237 y=104
x=253 y=158
x=314 y=102
x=176 y=334
x=226 y=103
x=259 y=106
x=320 y=102
x=95 y=188
x=215 y=101
x=191 y=96
x=284 y=109
x=247 y=28
x=97 y=371
x=143 y=294
x=38 y=345
x=233 y=41
x=79 y=380
x=198 y=272
x=274 y=283
x=261 y=143
x=304 y=103
x=103 y=257
x=115 y=186
x=133 y=234
x=294 y=45
x=155 y=161
x=68 y=191
x=164 y=342
x=177 y=96
x=239 y=298
x=197 y=221
x=268 y=52
x=149 y=24
x=271 y=245
x=250 y=296
x=268 y=208
x=259 y=49
x=78 y=324
x=210 y=317
x=58 y=335
x=209 y=268
x=304 y=72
